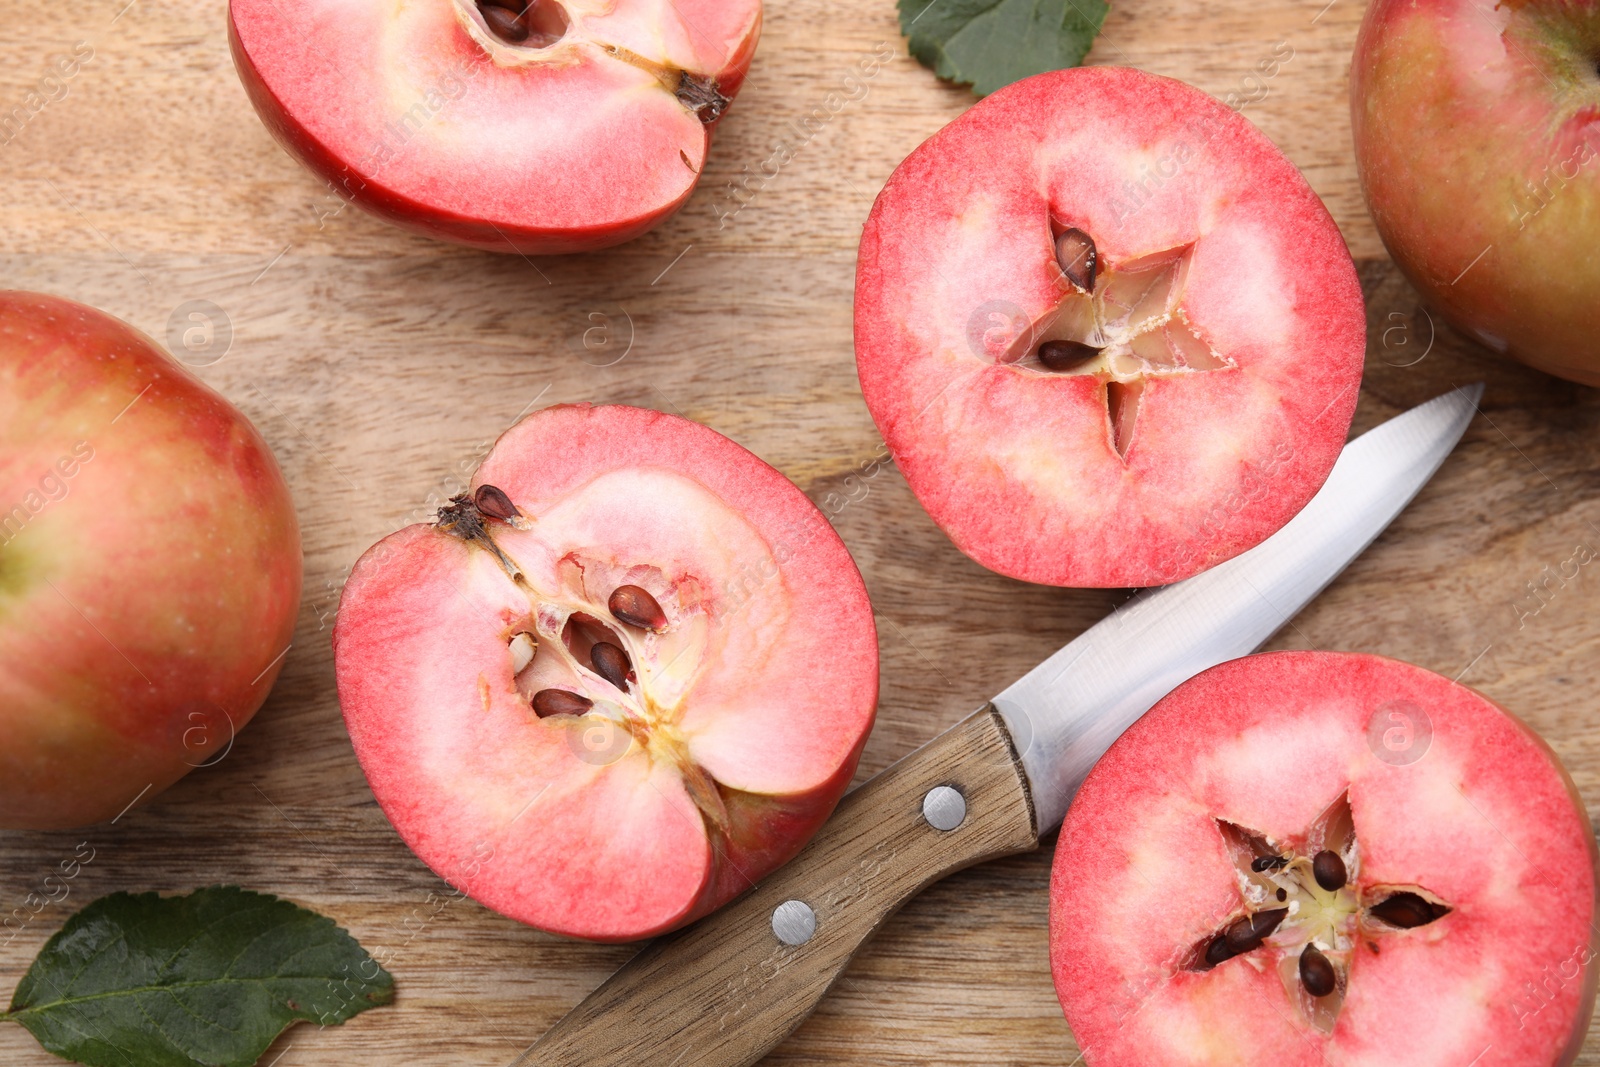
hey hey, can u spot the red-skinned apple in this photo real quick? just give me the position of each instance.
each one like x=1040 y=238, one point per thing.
x=1477 y=133
x=565 y=126
x=626 y=676
x=149 y=567
x=1316 y=859
x=1110 y=335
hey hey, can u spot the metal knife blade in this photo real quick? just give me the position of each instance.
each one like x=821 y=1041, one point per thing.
x=1068 y=710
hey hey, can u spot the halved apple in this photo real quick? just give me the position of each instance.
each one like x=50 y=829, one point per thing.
x=627 y=676
x=1315 y=859
x=1109 y=333
x=555 y=126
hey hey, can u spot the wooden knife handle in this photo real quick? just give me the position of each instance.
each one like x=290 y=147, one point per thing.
x=725 y=990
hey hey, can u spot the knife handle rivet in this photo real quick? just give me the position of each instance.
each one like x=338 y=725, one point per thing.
x=944 y=807
x=794 y=922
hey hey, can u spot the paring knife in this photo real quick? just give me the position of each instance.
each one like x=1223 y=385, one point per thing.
x=722 y=992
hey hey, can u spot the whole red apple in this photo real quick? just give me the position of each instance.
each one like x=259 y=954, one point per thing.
x=1109 y=333
x=149 y=567
x=611 y=688
x=534 y=126
x=1477 y=132
x=1318 y=859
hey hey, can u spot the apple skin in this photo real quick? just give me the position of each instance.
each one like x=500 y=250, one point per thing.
x=1477 y=135
x=149 y=567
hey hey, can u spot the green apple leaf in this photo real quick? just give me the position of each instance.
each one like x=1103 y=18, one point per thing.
x=204 y=980
x=991 y=43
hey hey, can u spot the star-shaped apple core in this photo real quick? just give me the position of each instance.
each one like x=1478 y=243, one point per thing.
x=1125 y=326
x=1305 y=913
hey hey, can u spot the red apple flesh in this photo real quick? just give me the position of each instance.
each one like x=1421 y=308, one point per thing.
x=566 y=127
x=1477 y=132
x=149 y=567
x=1129 y=423
x=1316 y=859
x=614 y=796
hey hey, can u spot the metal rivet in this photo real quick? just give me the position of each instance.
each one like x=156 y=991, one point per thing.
x=794 y=922
x=944 y=807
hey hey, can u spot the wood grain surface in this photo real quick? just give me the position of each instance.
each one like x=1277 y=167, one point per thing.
x=380 y=365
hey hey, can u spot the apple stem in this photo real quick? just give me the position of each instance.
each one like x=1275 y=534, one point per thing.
x=464 y=519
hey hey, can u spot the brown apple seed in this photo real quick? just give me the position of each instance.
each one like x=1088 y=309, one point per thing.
x=547 y=702
x=610 y=663
x=1066 y=355
x=1076 y=256
x=1218 y=951
x=1316 y=973
x=637 y=607
x=1406 y=910
x=493 y=501
x=1328 y=869
x=505 y=24
x=1248 y=932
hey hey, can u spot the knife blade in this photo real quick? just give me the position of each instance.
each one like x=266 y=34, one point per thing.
x=725 y=990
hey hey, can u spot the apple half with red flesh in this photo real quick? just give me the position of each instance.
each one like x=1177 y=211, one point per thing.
x=557 y=126
x=1477 y=135
x=1311 y=858
x=1109 y=333
x=149 y=567
x=616 y=684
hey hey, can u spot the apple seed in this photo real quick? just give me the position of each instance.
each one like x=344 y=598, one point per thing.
x=610 y=663
x=636 y=607
x=1316 y=972
x=505 y=24
x=1248 y=932
x=491 y=499
x=1077 y=258
x=1328 y=869
x=1407 y=910
x=547 y=702
x=1218 y=951
x=1066 y=355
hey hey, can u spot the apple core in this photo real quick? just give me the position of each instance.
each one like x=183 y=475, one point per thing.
x=1124 y=328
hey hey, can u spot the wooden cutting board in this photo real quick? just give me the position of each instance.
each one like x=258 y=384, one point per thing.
x=380 y=366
